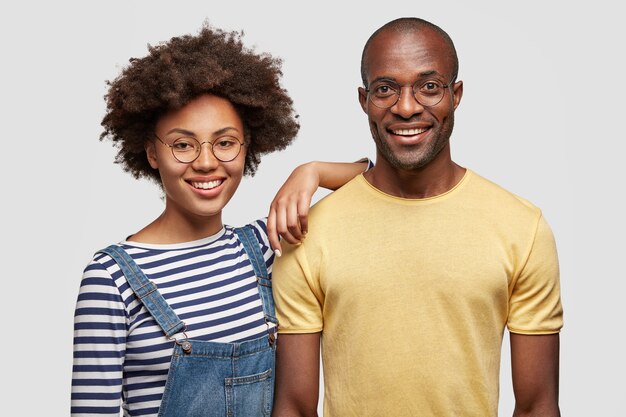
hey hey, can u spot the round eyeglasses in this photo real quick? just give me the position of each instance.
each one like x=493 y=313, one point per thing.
x=385 y=94
x=187 y=149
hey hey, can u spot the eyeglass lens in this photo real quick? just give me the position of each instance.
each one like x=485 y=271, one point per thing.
x=386 y=94
x=187 y=149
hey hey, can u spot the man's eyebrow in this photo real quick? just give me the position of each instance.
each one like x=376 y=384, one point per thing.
x=383 y=78
x=428 y=73
x=421 y=75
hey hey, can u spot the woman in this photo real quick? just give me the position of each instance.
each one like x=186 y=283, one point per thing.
x=178 y=319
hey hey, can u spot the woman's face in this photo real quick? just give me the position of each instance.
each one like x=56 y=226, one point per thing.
x=203 y=187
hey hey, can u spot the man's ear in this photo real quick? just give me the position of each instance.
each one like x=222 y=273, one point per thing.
x=363 y=99
x=458 y=93
x=150 y=148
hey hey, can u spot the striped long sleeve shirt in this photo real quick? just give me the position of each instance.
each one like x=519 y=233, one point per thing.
x=121 y=356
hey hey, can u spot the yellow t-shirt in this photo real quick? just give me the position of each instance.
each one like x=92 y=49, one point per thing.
x=412 y=296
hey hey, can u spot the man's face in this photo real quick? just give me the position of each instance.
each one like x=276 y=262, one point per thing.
x=409 y=135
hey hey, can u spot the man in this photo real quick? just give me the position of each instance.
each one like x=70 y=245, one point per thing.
x=411 y=272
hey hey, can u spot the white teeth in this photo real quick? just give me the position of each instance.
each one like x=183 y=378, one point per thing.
x=206 y=185
x=408 y=132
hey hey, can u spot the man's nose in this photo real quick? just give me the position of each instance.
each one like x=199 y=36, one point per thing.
x=407 y=105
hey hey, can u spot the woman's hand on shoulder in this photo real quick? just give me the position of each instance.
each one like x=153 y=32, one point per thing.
x=288 y=215
x=289 y=211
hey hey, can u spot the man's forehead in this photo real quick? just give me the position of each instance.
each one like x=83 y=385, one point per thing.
x=420 y=52
x=420 y=41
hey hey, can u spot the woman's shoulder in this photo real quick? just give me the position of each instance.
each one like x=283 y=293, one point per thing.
x=100 y=280
x=259 y=230
x=258 y=227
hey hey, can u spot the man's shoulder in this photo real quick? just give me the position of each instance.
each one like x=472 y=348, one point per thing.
x=490 y=191
x=344 y=196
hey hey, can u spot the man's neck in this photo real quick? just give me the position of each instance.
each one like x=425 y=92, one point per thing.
x=432 y=180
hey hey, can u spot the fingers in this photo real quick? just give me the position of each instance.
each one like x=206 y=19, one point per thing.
x=303 y=214
x=290 y=217
x=287 y=224
x=290 y=207
x=272 y=233
x=293 y=222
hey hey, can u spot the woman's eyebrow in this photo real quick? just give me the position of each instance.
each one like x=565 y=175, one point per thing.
x=192 y=134
x=181 y=131
x=225 y=130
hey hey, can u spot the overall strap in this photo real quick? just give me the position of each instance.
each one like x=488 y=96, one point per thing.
x=146 y=291
x=251 y=245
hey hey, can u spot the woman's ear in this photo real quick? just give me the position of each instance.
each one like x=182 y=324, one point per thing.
x=150 y=148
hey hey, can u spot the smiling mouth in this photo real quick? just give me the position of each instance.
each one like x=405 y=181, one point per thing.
x=206 y=185
x=408 y=132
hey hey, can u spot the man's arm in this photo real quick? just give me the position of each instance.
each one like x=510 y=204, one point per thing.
x=297 y=375
x=535 y=369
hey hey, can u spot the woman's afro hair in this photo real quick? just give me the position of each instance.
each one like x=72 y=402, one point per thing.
x=185 y=67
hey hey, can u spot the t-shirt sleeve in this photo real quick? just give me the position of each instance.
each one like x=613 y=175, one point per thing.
x=535 y=301
x=297 y=294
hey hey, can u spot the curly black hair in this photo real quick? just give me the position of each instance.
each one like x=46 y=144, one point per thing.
x=175 y=72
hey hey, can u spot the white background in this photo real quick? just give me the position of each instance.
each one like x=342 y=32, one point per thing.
x=540 y=116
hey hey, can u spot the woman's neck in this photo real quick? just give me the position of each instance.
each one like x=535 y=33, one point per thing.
x=175 y=227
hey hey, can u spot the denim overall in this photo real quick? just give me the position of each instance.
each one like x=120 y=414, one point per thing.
x=211 y=379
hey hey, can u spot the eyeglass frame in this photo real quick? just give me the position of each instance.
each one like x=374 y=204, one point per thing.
x=241 y=145
x=445 y=87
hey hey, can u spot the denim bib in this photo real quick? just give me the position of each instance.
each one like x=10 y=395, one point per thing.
x=211 y=379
